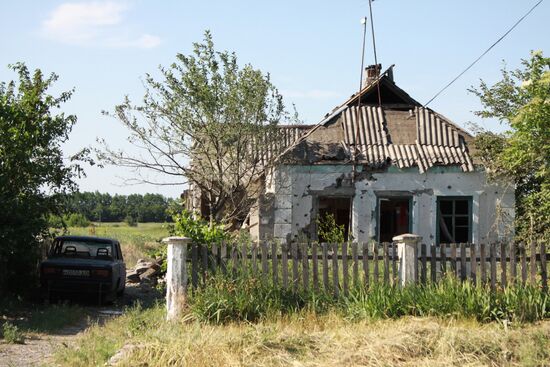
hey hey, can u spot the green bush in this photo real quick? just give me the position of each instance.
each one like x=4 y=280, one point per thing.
x=198 y=229
x=76 y=220
x=12 y=334
x=131 y=221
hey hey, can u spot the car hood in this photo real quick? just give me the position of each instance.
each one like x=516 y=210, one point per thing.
x=64 y=261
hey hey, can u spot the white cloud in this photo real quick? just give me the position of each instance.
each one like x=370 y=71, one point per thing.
x=93 y=23
x=310 y=94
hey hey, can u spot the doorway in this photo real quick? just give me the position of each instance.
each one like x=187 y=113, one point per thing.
x=394 y=217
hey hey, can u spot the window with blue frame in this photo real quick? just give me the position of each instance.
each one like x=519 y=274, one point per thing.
x=454 y=215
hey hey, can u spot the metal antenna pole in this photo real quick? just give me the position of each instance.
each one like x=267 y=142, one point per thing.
x=374 y=49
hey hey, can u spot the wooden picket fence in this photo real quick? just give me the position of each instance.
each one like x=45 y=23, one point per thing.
x=337 y=267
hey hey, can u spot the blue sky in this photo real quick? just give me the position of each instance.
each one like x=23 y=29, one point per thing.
x=310 y=48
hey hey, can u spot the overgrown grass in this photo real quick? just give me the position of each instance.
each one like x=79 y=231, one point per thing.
x=307 y=339
x=246 y=298
x=136 y=242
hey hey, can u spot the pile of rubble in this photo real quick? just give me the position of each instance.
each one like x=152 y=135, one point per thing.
x=145 y=272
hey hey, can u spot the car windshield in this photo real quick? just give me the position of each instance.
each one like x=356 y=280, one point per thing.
x=83 y=249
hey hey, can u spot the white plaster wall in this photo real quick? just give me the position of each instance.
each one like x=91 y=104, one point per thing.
x=296 y=187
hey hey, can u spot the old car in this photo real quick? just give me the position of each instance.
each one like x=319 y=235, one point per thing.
x=84 y=265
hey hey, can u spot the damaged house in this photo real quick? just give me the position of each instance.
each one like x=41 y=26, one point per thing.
x=383 y=165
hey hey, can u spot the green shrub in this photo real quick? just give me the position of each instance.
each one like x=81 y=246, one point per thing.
x=131 y=221
x=198 y=229
x=12 y=334
x=76 y=220
x=329 y=231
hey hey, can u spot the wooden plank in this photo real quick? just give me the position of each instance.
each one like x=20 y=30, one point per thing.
x=345 y=272
x=255 y=258
x=473 y=263
x=194 y=265
x=463 y=261
x=543 y=273
x=394 y=263
x=493 y=249
x=366 y=274
x=274 y=263
x=423 y=269
x=453 y=259
x=433 y=263
x=325 y=266
x=483 y=264
x=386 y=263
x=443 y=256
x=533 y=262
x=223 y=257
x=513 y=274
x=335 y=281
x=375 y=262
x=284 y=264
x=355 y=257
x=416 y=272
x=503 y=264
x=265 y=265
x=523 y=264
x=234 y=259
x=294 y=254
x=315 y=266
x=305 y=265
x=215 y=257
x=204 y=257
x=244 y=253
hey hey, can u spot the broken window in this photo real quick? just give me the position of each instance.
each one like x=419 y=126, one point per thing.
x=455 y=219
x=339 y=208
x=393 y=217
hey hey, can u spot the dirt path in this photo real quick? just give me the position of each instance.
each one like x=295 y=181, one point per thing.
x=39 y=347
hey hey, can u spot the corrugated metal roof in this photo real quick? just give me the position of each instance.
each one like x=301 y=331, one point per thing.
x=438 y=142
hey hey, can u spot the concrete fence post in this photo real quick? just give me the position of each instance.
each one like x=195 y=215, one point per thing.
x=176 y=276
x=406 y=245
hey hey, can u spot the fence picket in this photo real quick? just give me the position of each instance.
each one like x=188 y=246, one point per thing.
x=416 y=264
x=305 y=265
x=215 y=259
x=325 y=266
x=543 y=274
x=255 y=258
x=294 y=254
x=386 y=263
x=483 y=264
x=274 y=263
x=513 y=274
x=315 y=265
x=265 y=268
x=443 y=256
x=204 y=257
x=493 y=249
x=355 y=264
x=424 y=268
x=533 y=262
x=234 y=259
x=394 y=263
x=462 y=261
x=433 y=263
x=473 y=263
x=375 y=260
x=284 y=264
x=345 y=273
x=523 y=250
x=194 y=265
x=453 y=260
x=503 y=264
x=335 y=280
x=366 y=273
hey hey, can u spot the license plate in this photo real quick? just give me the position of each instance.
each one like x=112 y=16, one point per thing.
x=76 y=273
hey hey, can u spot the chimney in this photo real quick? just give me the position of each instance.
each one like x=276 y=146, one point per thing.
x=372 y=72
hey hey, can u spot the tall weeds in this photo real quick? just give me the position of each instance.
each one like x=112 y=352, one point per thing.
x=246 y=298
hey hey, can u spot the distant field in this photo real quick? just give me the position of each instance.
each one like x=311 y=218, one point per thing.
x=135 y=241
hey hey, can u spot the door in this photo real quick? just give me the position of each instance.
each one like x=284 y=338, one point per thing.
x=394 y=217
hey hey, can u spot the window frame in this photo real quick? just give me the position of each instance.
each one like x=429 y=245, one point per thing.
x=454 y=198
x=392 y=196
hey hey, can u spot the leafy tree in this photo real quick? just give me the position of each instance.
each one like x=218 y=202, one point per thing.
x=522 y=101
x=33 y=173
x=207 y=123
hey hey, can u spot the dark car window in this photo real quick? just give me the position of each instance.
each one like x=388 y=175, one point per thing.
x=83 y=249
